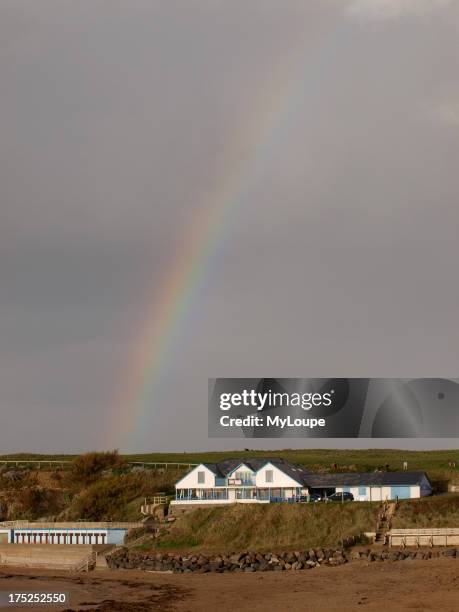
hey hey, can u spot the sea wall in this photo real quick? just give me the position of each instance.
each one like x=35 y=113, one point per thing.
x=263 y=562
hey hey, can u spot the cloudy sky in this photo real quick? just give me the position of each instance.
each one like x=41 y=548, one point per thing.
x=308 y=151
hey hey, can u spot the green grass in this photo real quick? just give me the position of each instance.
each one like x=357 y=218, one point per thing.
x=435 y=463
x=371 y=458
x=268 y=527
x=435 y=512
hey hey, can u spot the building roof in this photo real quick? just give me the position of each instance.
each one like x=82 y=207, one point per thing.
x=317 y=480
x=355 y=479
x=223 y=468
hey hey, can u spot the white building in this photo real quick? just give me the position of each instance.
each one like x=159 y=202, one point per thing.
x=264 y=480
x=30 y=532
x=249 y=481
x=373 y=486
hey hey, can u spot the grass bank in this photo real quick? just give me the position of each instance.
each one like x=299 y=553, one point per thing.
x=268 y=527
x=442 y=511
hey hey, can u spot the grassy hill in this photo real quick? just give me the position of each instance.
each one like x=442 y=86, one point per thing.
x=442 y=511
x=267 y=527
x=361 y=458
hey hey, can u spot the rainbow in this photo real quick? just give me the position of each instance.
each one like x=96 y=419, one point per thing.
x=171 y=303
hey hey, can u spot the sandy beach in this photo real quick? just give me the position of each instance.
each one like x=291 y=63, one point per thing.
x=375 y=587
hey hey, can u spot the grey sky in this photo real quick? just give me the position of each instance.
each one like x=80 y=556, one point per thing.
x=120 y=119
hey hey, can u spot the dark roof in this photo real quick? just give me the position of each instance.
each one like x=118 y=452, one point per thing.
x=225 y=467
x=355 y=479
x=316 y=480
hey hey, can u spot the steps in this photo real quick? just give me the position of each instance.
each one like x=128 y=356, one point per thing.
x=384 y=522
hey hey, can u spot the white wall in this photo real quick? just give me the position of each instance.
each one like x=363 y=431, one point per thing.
x=279 y=478
x=190 y=481
x=244 y=471
x=379 y=493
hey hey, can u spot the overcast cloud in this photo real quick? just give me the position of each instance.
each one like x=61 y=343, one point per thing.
x=119 y=119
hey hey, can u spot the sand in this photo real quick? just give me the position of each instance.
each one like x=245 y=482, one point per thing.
x=360 y=585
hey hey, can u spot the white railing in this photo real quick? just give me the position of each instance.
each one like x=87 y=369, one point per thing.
x=66 y=462
x=443 y=536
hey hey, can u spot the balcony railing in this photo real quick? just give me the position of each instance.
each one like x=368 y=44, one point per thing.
x=240 y=493
x=234 y=482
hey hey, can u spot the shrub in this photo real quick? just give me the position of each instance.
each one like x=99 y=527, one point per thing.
x=86 y=468
x=32 y=503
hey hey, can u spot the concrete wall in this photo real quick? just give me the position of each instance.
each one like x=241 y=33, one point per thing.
x=42 y=555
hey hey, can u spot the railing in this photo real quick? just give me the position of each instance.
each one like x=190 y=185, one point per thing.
x=81 y=524
x=148 y=507
x=289 y=500
x=424 y=537
x=84 y=565
x=40 y=462
x=67 y=462
x=166 y=465
x=239 y=495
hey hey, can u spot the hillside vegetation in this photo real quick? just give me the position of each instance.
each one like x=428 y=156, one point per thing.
x=268 y=526
x=435 y=512
x=435 y=463
x=106 y=486
x=96 y=486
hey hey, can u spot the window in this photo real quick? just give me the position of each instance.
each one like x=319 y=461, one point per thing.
x=201 y=477
x=362 y=490
x=269 y=476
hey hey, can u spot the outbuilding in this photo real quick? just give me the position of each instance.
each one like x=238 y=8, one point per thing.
x=372 y=486
x=29 y=532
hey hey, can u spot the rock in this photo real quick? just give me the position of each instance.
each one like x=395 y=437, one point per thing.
x=337 y=554
x=320 y=554
x=215 y=565
x=355 y=555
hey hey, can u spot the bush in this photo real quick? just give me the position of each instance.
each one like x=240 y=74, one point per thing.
x=86 y=468
x=32 y=503
x=118 y=497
